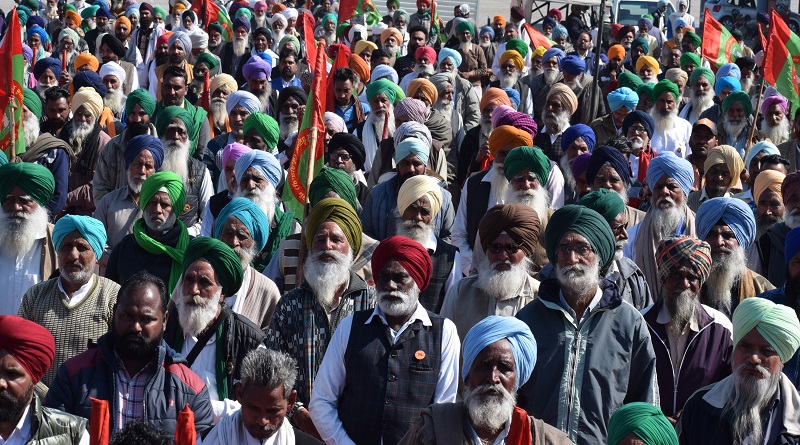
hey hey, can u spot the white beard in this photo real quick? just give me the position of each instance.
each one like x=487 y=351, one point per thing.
x=499 y=183
x=744 y=403
x=556 y=122
x=486 y=129
x=260 y=20
x=394 y=308
x=666 y=220
x=115 y=101
x=162 y=225
x=31 y=130
x=636 y=144
x=465 y=47
x=264 y=199
x=733 y=128
x=391 y=49
x=424 y=70
x=579 y=279
x=649 y=79
x=726 y=270
x=329 y=36
x=537 y=199
x=41 y=88
x=276 y=40
x=245 y=254
x=326 y=278
x=18 y=231
x=792 y=218
x=503 y=284
x=489 y=406
x=508 y=81
x=195 y=319
x=664 y=121
x=80 y=131
x=574 y=85
x=445 y=106
x=701 y=103
x=747 y=83
x=778 y=134
x=550 y=75
x=176 y=158
x=682 y=308
x=135 y=182
x=378 y=120
x=566 y=170
x=288 y=125
x=239 y=46
x=219 y=112
x=416 y=230
x=263 y=97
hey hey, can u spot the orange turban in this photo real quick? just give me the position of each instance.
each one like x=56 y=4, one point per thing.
x=499 y=19
x=514 y=57
x=359 y=66
x=178 y=7
x=506 y=135
x=86 y=59
x=564 y=95
x=428 y=89
x=495 y=95
x=616 y=51
x=391 y=32
x=278 y=7
x=650 y=62
x=123 y=19
x=74 y=16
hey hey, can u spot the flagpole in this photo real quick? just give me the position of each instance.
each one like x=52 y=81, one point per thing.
x=13 y=129
x=749 y=142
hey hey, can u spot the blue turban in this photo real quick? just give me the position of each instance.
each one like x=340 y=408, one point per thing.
x=413 y=146
x=641 y=117
x=549 y=21
x=145 y=142
x=576 y=131
x=384 y=72
x=246 y=99
x=668 y=163
x=573 y=65
x=560 y=31
x=729 y=82
x=36 y=29
x=623 y=97
x=737 y=215
x=454 y=55
x=494 y=328
x=764 y=146
x=729 y=69
x=182 y=37
x=553 y=52
x=89 y=79
x=250 y=215
x=46 y=63
x=487 y=30
x=93 y=230
x=261 y=161
x=241 y=22
x=605 y=154
x=792 y=246
x=513 y=96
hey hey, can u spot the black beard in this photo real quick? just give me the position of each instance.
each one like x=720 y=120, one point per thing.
x=11 y=408
x=136 y=347
x=160 y=60
x=136 y=129
x=145 y=23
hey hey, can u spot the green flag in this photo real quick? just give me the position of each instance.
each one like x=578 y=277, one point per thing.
x=12 y=140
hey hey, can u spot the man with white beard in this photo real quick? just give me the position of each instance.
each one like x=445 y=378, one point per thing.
x=729 y=227
x=382 y=95
x=328 y=31
x=47 y=71
x=499 y=357
x=257 y=74
x=509 y=236
x=290 y=107
x=510 y=76
x=345 y=405
x=541 y=84
x=307 y=316
x=278 y=24
x=215 y=40
x=113 y=50
x=671 y=133
x=221 y=86
x=692 y=341
x=736 y=109
x=753 y=404
x=473 y=66
x=236 y=53
x=175 y=124
x=702 y=97
x=579 y=384
x=27 y=252
x=776 y=124
x=425 y=58
x=211 y=272
x=114 y=78
x=560 y=104
x=418 y=202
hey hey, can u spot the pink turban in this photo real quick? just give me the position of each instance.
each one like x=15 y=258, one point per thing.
x=233 y=152
x=336 y=122
x=426 y=51
x=769 y=101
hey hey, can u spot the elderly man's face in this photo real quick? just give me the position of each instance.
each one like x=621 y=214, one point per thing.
x=793 y=202
x=200 y=282
x=608 y=178
x=19 y=201
x=722 y=241
x=666 y=102
x=422 y=97
x=253 y=179
x=112 y=82
x=142 y=167
x=264 y=409
x=753 y=350
x=82 y=116
x=465 y=36
x=494 y=365
x=330 y=237
x=575 y=249
x=254 y=140
x=18 y=390
x=176 y=131
x=342 y=160
x=257 y=85
x=158 y=212
x=736 y=111
x=76 y=259
x=394 y=277
x=236 y=120
x=503 y=252
x=525 y=179
x=410 y=166
x=620 y=228
x=508 y=68
x=236 y=235
x=770 y=205
x=681 y=280
x=577 y=148
x=419 y=211
x=291 y=107
x=667 y=193
x=774 y=115
x=701 y=85
x=139 y=322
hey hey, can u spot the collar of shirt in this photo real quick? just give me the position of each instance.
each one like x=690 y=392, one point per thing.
x=499 y=440
x=592 y=304
x=431 y=244
x=489 y=175
x=122 y=371
x=664 y=318
x=79 y=294
x=704 y=195
x=21 y=433
x=419 y=314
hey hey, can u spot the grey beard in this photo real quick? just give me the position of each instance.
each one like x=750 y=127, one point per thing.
x=537 y=199
x=264 y=199
x=79 y=277
x=260 y=20
x=566 y=169
x=486 y=129
x=726 y=270
x=103 y=29
x=115 y=101
x=263 y=97
x=416 y=230
x=445 y=106
x=277 y=39
x=239 y=46
x=424 y=70
x=579 y=280
x=575 y=85
x=162 y=226
x=18 y=231
x=394 y=308
x=330 y=37
x=747 y=398
x=219 y=112
x=135 y=182
x=778 y=134
x=747 y=84
x=391 y=49
x=792 y=219
x=499 y=183
x=664 y=121
x=288 y=126
x=246 y=254
x=701 y=103
x=325 y=279
x=682 y=308
x=508 y=81
x=764 y=222
x=41 y=88
x=31 y=130
x=666 y=220
x=536 y=71
x=80 y=131
x=550 y=75
x=378 y=120
x=649 y=79
x=503 y=284
x=195 y=319
x=176 y=158
x=556 y=122
x=465 y=47
x=489 y=406
x=732 y=128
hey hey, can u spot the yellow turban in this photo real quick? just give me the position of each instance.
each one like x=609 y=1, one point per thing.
x=514 y=57
x=89 y=99
x=768 y=180
x=428 y=89
x=361 y=45
x=616 y=51
x=415 y=188
x=86 y=59
x=178 y=7
x=223 y=80
x=538 y=52
x=564 y=95
x=506 y=135
x=725 y=154
x=649 y=61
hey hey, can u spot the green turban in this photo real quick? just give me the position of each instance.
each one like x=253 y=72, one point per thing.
x=142 y=98
x=777 y=323
x=465 y=25
x=171 y=112
x=517 y=45
x=339 y=211
x=640 y=42
x=605 y=202
x=289 y=39
x=704 y=72
x=693 y=58
x=647 y=90
x=387 y=87
x=531 y=158
x=158 y=11
x=169 y=181
x=3 y=158
x=587 y=223
x=665 y=86
x=645 y=421
x=31 y=100
x=247 y=13
x=738 y=96
x=333 y=180
x=694 y=38
x=222 y=258
x=33 y=179
x=629 y=80
x=266 y=127
x=211 y=62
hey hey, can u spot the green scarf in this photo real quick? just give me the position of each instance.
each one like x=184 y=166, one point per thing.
x=156 y=248
x=220 y=369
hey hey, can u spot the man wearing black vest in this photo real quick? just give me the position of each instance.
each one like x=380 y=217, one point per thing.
x=384 y=366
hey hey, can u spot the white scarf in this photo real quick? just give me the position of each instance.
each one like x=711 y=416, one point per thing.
x=230 y=429
x=371 y=144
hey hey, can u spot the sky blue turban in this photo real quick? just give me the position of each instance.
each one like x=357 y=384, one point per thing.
x=623 y=97
x=668 y=163
x=729 y=69
x=729 y=82
x=494 y=328
x=792 y=244
x=576 y=131
x=250 y=215
x=605 y=154
x=261 y=161
x=413 y=146
x=93 y=230
x=144 y=142
x=246 y=99
x=454 y=55
x=766 y=146
x=559 y=31
x=182 y=37
x=737 y=215
x=36 y=29
x=553 y=52
x=513 y=96
x=384 y=72
x=573 y=65
x=487 y=30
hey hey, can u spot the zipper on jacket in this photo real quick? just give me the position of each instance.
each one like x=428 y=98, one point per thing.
x=573 y=372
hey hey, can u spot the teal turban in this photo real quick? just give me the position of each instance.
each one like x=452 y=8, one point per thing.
x=640 y=42
x=495 y=328
x=587 y=223
x=91 y=229
x=777 y=323
x=222 y=258
x=454 y=55
x=702 y=71
x=169 y=181
x=333 y=180
x=33 y=179
x=166 y=116
x=142 y=98
x=385 y=86
x=664 y=86
x=628 y=80
x=741 y=97
x=3 y=158
x=266 y=127
x=412 y=146
x=531 y=158
x=645 y=421
x=605 y=202
x=250 y=215
x=340 y=212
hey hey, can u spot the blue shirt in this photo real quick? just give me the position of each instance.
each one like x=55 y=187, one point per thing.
x=278 y=84
x=348 y=114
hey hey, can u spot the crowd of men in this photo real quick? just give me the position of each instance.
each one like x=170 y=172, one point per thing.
x=507 y=244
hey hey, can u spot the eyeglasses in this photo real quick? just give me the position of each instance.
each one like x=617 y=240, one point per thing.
x=342 y=156
x=497 y=248
x=618 y=229
x=638 y=129
x=581 y=250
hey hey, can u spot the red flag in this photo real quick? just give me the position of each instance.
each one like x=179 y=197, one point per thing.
x=209 y=12
x=537 y=39
x=12 y=79
x=347 y=9
x=185 y=434
x=99 y=425
x=307 y=23
x=342 y=60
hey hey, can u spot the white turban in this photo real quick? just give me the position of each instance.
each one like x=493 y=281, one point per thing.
x=113 y=69
x=290 y=13
x=199 y=39
x=278 y=18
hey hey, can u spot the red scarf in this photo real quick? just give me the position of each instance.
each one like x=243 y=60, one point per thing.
x=520 y=431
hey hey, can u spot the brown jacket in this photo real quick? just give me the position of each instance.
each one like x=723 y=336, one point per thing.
x=473 y=65
x=49 y=255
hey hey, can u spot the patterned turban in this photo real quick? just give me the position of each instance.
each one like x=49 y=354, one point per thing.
x=587 y=223
x=565 y=96
x=222 y=258
x=265 y=125
x=91 y=229
x=333 y=180
x=427 y=88
x=142 y=98
x=777 y=323
x=264 y=162
x=352 y=145
x=623 y=97
x=506 y=135
x=411 y=256
x=576 y=131
x=494 y=95
x=767 y=180
x=669 y=164
x=413 y=109
x=340 y=212
x=249 y=214
x=415 y=188
x=727 y=155
x=412 y=129
x=29 y=343
x=33 y=179
x=504 y=115
x=733 y=212
x=494 y=328
x=86 y=59
x=526 y=157
x=603 y=155
x=741 y=97
x=643 y=420
x=138 y=144
x=677 y=252
x=519 y=221
x=223 y=80
x=605 y=202
x=514 y=57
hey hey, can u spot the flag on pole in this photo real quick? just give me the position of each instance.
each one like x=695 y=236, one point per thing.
x=436 y=23
x=782 y=60
x=307 y=160
x=348 y=8
x=342 y=60
x=719 y=46
x=537 y=39
x=209 y=12
x=307 y=25
x=12 y=140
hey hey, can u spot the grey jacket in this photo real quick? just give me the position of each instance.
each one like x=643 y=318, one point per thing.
x=53 y=427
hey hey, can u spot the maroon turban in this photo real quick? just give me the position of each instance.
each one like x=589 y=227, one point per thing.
x=29 y=343
x=791 y=184
x=523 y=121
x=426 y=51
x=409 y=253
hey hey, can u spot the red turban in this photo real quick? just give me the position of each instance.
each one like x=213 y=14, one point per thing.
x=426 y=51
x=791 y=184
x=163 y=39
x=424 y=2
x=29 y=343
x=409 y=253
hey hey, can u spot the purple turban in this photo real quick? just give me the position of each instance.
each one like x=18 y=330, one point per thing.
x=769 y=101
x=256 y=68
x=523 y=121
x=580 y=164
